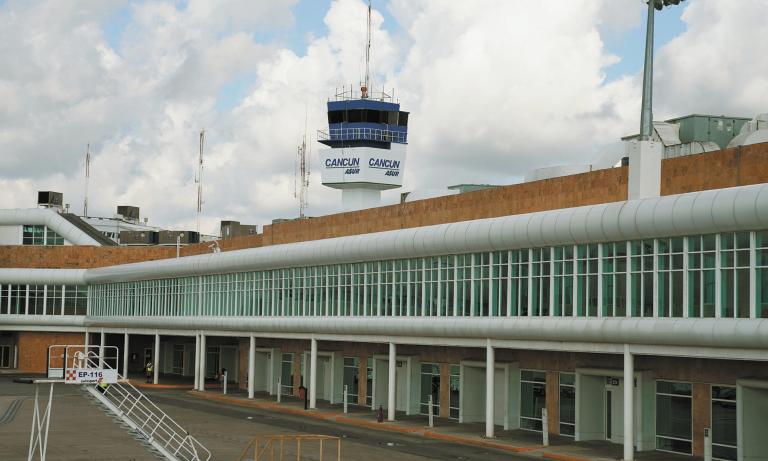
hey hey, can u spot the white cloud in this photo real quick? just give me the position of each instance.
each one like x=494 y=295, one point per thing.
x=717 y=66
x=495 y=88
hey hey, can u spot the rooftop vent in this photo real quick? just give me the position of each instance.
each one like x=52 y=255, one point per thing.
x=129 y=213
x=50 y=199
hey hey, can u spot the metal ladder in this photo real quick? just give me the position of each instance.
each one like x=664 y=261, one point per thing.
x=147 y=422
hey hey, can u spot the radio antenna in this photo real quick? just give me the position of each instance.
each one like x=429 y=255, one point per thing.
x=303 y=174
x=87 y=177
x=366 y=85
x=199 y=179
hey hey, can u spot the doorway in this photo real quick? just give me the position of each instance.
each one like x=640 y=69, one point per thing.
x=608 y=413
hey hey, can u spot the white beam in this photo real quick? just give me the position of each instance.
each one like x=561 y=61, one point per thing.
x=391 y=388
x=313 y=374
x=201 y=369
x=252 y=367
x=155 y=379
x=102 y=338
x=629 y=405
x=490 y=364
x=125 y=354
x=197 y=362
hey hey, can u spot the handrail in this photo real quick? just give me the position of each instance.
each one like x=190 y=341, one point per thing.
x=362 y=134
x=144 y=413
x=255 y=446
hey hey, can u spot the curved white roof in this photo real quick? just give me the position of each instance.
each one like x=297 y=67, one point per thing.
x=43 y=276
x=49 y=218
x=725 y=333
x=719 y=210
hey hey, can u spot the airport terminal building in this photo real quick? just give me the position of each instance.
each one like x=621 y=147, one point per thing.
x=618 y=316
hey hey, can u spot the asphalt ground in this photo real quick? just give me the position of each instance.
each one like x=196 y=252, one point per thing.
x=81 y=431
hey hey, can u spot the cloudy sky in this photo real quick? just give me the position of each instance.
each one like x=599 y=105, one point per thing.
x=495 y=88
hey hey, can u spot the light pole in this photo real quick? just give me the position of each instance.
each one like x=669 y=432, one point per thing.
x=646 y=115
x=645 y=155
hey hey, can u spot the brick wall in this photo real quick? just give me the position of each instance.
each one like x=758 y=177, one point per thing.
x=727 y=168
x=33 y=348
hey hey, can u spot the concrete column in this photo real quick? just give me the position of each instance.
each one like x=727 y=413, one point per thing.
x=490 y=365
x=156 y=363
x=391 y=388
x=629 y=405
x=251 y=367
x=197 y=362
x=313 y=375
x=125 y=354
x=201 y=370
x=102 y=338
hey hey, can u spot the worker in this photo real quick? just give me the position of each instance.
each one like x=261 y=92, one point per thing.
x=148 y=369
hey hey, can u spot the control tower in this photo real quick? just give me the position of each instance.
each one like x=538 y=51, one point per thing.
x=366 y=138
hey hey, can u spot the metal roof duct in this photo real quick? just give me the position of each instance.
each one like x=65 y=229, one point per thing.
x=50 y=218
x=720 y=210
x=43 y=276
x=725 y=333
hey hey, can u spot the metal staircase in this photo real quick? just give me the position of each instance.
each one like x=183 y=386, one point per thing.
x=147 y=423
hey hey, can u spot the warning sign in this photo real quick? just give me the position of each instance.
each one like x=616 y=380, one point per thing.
x=90 y=376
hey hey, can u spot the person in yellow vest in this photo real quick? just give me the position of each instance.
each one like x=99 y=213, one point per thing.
x=148 y=371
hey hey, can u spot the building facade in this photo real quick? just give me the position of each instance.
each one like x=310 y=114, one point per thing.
x=498 y=305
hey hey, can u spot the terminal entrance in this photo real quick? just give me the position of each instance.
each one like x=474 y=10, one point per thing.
x=330 y=370
x=506 y=393
x=600 y=407
x=407 y=383
x=752 y=401
x=267 y=368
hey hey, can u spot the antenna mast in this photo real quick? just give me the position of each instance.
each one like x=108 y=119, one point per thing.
x=366 y=85
x=199 y=180
x=87 y=177
x=303 y=176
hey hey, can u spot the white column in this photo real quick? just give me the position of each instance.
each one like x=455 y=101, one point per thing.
x=490 y=364
x=157 y=359
x=391 y=402
x=101 y=349
x=313 y=375
x=201 y=368
x=125 y=355
x=629 y=405
x=197 y=362
x=251 y=367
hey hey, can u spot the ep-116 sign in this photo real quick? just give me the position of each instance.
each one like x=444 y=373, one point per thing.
x=90 y=376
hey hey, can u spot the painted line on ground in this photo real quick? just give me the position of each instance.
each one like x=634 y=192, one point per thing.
x=11 y=411
x=340 y=418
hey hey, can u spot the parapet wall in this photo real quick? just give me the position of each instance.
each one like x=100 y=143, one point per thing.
x=713 y=170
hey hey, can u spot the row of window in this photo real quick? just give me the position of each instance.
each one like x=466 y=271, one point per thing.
x=368 y=116
x=40 y=235
x=43 y=299
x=717 y=275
